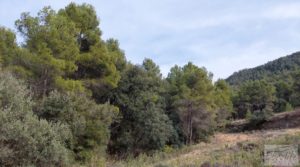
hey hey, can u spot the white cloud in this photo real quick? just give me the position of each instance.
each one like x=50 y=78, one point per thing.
x=251 y=56
x=284 y=11
x=224 y=36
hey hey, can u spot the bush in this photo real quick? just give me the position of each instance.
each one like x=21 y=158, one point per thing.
x=89 y=122
x=254 y=96
x=257 y=117
x=24 y=139
x=288 y=107
x=144 y=127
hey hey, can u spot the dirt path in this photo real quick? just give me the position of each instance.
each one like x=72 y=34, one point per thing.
x=222 y=140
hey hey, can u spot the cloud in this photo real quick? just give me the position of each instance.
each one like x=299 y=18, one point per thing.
x=224 y=36
x=251 y=56
x=284 y=11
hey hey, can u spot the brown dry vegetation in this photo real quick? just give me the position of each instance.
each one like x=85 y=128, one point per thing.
x=233 y=149
x=283 y=120
x=278 y=121
x=222 y=148
x=203 y=151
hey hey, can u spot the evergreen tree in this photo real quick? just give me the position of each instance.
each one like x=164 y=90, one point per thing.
x=98 y=61
x=64 y=50
x=143 y=126
x=223 y=103
x=283 y=96
x=255 y=97
x=49 y=39
x=8 y=45
x=295 y=97
x=191 y=101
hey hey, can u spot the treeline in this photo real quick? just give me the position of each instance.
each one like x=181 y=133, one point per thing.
x=69 y=97
x=273 y=86
x=274 y=70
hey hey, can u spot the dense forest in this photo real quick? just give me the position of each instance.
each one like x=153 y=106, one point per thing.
x=69 y=97
x=282 y=77
x=272 y=71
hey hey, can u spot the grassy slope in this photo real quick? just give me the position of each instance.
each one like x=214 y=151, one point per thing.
x=238 y=149
x=234 y=149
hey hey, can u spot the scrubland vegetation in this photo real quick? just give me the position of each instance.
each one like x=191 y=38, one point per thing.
x=70 y=98
x=238 y=149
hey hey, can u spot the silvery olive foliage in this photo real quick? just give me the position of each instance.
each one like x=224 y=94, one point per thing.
x=26 y=140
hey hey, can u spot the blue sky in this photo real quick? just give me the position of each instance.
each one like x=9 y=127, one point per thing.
x=223 y=36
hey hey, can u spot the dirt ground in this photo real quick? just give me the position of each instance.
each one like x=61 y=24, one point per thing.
x=222 y=140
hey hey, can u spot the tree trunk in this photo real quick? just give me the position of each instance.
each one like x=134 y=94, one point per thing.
x=45 y=85
x=190 y=123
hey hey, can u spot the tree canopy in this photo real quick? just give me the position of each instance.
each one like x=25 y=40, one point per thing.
x=69 y=97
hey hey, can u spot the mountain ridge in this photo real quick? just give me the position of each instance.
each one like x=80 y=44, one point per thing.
x=273 y=69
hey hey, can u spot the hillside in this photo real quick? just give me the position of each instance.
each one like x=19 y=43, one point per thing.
x=286 y=120
x=272 y=70
x=223 y=150
x=70 y=98
x=226 y=149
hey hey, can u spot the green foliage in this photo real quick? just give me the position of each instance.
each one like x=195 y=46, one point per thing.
x=89 y=122
x=8 y=45
x=143 y=126
x=52 y=48
x=283 y=93
x=295 y=97
x=288 y=107
x=279 y=69
x=86 y=22
x=281 y=73
x=256 y=97
x=223 y=103
x=63 y=50
x=75 y=76
x=99 y=62
x=191 y=101
x=25 y=140
x=116 y=53
x=255 y=118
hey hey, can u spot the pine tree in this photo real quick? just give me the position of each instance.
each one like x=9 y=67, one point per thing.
x=191 y=101
x=143 y=126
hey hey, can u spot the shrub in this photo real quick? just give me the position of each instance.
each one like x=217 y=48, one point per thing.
x=257 y=117
x=88 y=121
x=288 y=107
x=24 y=139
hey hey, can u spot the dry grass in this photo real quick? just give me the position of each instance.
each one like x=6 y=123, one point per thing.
x=224 y=148
x=203 y=151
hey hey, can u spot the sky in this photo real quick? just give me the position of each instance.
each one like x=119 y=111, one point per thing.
x=222 y=36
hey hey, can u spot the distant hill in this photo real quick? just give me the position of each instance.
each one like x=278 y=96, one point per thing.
x=279 y=69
